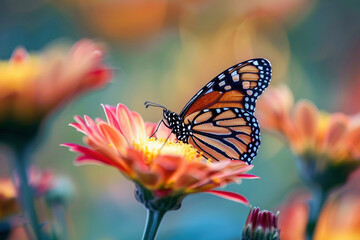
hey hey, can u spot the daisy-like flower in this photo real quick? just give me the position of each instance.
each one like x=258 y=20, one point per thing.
x=31 y=86
x=261 y=225
x=164 y=171
x=327 y=144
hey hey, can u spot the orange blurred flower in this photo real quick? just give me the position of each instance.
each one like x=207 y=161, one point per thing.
x=328 y=144
x=340 y=217
x=161 y=169
x=33 y=85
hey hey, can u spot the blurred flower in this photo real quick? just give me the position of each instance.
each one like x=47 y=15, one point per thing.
x=327 y=144
x=122 y=20
x=61 y=192
x=340 y=217
x=294 y=216
x=33 y=85
x=164 y=167
x=8 y=203
x=261 y=225
x=40 y=182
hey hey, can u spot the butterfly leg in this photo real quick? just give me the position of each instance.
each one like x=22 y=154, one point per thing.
x=157 y=128
x=165 y=140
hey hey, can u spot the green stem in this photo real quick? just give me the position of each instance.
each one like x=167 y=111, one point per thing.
x=60 y=227
x=315 y=206
x=153 y=221
x=26 y=193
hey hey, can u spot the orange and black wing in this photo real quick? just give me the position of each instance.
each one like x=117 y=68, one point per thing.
x=237 y=87
x=224 y=133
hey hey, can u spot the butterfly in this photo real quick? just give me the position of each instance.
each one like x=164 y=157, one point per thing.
x=219 y=120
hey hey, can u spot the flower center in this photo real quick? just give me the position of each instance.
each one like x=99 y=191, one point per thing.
x=153 y=147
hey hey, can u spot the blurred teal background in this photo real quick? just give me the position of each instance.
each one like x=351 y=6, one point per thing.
x=164 y=51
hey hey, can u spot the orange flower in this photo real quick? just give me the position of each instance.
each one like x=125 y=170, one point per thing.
x=328 y=144
x=162 y=168
x=309 y=131
x=33 y=85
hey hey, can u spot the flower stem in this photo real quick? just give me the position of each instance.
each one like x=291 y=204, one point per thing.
x=60 y=226
x=26 y=193
x=153 y=221
x=315 y=206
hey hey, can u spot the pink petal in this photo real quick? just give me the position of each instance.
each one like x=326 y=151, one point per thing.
x=126 y=122
x=306 y=118
x=248 y=176
x=140 y=125
x=110 y=116
x=87 y=154
x=230 y=196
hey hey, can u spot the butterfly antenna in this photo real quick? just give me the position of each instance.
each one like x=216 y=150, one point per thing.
x=151 y=104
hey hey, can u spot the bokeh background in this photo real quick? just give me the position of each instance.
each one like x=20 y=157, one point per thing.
x=166 y=50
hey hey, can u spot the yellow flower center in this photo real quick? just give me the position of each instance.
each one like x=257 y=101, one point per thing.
x=153 y=147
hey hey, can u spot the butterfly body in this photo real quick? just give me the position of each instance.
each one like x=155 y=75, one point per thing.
x=219 y=119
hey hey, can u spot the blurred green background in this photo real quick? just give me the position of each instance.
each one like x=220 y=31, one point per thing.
x=166 y=50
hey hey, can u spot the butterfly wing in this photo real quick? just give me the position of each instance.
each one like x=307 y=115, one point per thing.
x=225 y=133
x=239 y=86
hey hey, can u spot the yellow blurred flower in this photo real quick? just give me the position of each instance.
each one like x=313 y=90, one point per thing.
x=31 y=86
x=165 y=168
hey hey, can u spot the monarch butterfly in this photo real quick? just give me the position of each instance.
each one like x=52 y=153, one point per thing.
x=219 y=120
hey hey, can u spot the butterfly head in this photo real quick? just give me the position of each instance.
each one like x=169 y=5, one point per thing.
x=172 y=119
